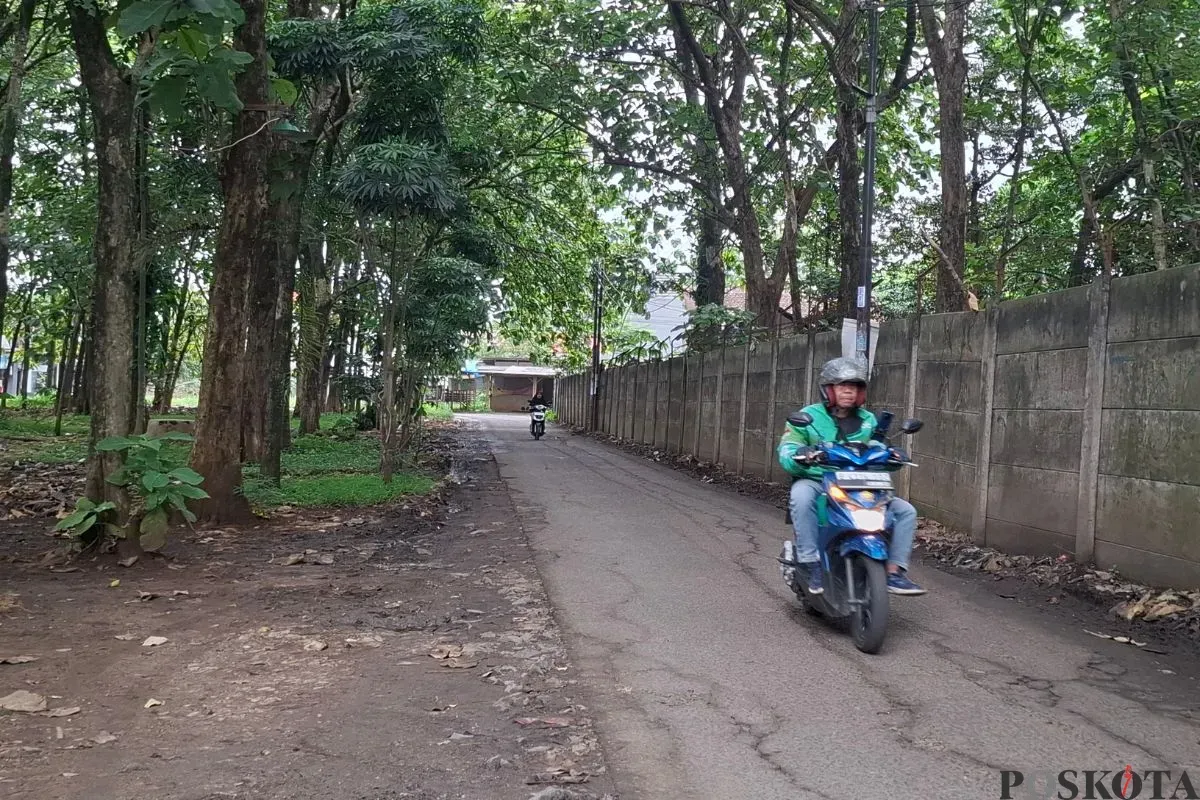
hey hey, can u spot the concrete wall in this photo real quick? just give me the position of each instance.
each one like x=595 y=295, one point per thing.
x=1063 y=423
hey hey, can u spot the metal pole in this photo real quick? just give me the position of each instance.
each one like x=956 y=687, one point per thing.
x=597 y=324
x=863 y=339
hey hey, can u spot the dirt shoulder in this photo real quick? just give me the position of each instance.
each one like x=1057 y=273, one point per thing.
x=410 y=654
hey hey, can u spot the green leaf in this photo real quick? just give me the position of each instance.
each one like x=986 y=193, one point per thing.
x=75 y=520
x=191 y=492
x=285 y=90
x=186 y=475
x=188 y=515
x=144 y=15
x=118 y=478
x=155 y=480
x=167 y=95
x=154 y=541
x=216 y=85
x=154 y=522
x=193 y=42
x=105 y=506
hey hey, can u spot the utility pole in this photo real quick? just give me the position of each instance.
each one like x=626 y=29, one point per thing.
x=863 y=339
x=597 y=325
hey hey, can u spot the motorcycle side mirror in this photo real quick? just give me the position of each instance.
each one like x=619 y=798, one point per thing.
x=801 y=419
x=911 y=426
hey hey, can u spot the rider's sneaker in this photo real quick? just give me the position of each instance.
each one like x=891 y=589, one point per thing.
x=814 y=578
x=899 y=583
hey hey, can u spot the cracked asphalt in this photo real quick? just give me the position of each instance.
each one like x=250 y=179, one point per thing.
x=707 y=680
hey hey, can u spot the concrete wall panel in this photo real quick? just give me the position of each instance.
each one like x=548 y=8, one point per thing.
x=1162 y=374
x=1039 y=439
x=1054 y=321
x=1156 y=305
x=954 y=385
x=1035 y=498
x=1053 y=379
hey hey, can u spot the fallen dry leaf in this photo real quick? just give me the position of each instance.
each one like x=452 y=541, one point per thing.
x=17 y=659
x=126 y=637
x=154 y=641
x=146 y=597
x=23 y=701
x=103 y=737
x=151 y=703
x=62 y=712
x=446 y=651
x=293 y=560
x=315 y=646
x=128 y=562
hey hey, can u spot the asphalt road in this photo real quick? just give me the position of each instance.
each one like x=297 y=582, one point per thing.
x=707 y=681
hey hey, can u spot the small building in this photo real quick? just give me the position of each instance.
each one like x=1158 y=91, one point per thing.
x=510 y=382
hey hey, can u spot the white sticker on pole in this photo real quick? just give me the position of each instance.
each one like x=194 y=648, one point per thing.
x=862 y=297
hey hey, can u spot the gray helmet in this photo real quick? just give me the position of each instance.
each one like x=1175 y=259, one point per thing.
x=843 y=370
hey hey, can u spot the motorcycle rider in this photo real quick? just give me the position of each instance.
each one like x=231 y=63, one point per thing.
x=840 y=416
x=538 y=399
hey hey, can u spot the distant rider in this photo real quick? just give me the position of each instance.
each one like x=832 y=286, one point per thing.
x=840 y=417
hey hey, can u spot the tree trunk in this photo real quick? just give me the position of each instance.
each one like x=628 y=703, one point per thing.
x=848 y=200
x=258 y=360
x=1141 y=135
x=114 y=290
x=316 y=305
x=9 y=122
x=25 y=345
x=66 y=378
x=79 y=386
x=217 y=452
x=1014 y=185
x=945 y=42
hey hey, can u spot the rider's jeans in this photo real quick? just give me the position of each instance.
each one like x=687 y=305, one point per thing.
x=902 y=518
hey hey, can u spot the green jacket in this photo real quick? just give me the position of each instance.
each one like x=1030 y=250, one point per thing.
x=823 y=429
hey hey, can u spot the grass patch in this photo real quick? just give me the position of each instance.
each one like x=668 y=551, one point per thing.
x=318 y=470
x=336 y=490
x=440 y=411
x=14 y=423
x=312 y=455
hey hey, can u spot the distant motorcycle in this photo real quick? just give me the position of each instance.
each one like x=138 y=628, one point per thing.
x=537 y=420
x=852 y=533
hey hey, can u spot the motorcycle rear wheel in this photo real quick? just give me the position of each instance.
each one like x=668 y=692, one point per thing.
x=868 y=623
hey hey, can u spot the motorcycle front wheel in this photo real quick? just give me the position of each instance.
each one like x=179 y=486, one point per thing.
x=868 y=623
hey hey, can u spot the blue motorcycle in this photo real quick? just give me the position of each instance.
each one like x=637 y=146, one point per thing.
x=852 y=533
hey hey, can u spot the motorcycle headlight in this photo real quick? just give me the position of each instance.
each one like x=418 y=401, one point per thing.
x=867 y=520
x=839 y=494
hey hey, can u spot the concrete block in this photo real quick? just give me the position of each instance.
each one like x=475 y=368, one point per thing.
x=947 y=485
x=1152 y=444
x=1035 y=498
x=160 y=427
x=1023 y=540
x=1153 y=569
x=953 y=520
x=793 y=352
x=1154 y=374
x=790 y=388
x=889 y=388
x=952 y=337
x=758 y=417
x=828 y=345
x=895 y=342
x=950 y=385
x=1051 y=379
x=1039 y=439
x=1149 y=515
x=950 y=435
x=1155 y=305
x=1054 y=321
